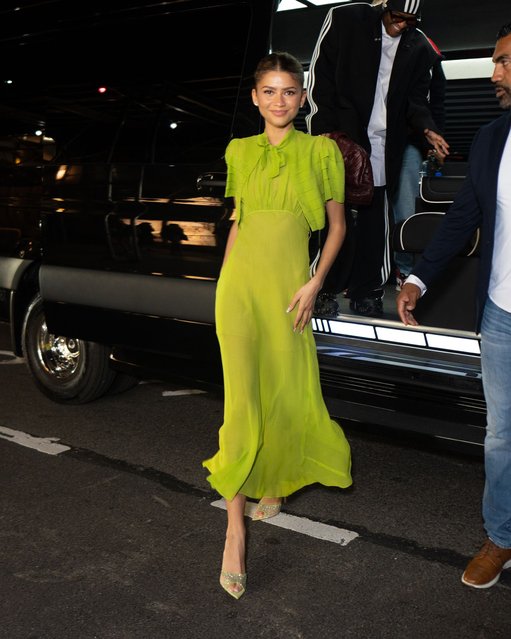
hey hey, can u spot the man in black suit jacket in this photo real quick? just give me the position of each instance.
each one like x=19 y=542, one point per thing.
x=370 y=77
x=484 y=201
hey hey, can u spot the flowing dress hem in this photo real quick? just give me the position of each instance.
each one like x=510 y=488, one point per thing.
x=285 y=491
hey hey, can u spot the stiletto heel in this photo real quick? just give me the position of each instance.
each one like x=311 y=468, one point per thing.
x=234 y=581
x=228 y=580
x=265 y=511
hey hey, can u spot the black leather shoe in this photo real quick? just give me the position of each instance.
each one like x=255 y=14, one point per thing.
x=368 y=306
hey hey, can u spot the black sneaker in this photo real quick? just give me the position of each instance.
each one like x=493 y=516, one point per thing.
x=368 y=306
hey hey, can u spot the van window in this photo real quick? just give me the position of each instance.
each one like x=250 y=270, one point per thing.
x=135 y=83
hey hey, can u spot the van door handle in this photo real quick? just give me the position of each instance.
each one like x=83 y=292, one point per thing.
x=211 y=182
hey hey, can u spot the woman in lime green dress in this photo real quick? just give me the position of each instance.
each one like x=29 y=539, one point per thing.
x=277 y=435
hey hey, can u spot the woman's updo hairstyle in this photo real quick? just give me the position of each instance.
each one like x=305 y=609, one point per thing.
x=279 y=61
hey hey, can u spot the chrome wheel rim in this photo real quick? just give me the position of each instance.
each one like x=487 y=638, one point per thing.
x=59 y=356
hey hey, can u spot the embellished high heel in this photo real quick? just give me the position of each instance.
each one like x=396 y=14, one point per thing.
x=230 y=579
x=265 y=511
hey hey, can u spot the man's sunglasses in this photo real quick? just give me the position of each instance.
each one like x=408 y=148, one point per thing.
x=411 y=21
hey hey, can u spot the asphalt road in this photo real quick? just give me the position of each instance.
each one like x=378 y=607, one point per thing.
x=118 y=536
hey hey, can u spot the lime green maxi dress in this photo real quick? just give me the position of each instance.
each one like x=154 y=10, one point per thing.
x=277 y=435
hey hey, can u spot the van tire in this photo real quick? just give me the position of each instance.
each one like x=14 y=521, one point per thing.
x=67 y=370
x=123 y=383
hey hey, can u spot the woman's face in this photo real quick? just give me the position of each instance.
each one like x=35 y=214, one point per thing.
x=279 y=97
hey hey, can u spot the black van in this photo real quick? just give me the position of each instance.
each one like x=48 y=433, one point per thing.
x=113 y=124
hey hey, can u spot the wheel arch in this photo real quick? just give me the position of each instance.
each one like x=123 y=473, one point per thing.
x=26 y=289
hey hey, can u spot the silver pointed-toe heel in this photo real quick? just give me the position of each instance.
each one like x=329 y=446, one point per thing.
x=234 y=583
x=265 y=511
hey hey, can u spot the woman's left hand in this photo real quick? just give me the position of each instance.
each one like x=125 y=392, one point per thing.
x=305 y=298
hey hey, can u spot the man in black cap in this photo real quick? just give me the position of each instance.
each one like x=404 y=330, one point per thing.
x=369 y=77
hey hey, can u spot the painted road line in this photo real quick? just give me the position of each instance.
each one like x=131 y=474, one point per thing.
x=184 y=391
x=47 y=445
x=301 y=525
x=11 y=358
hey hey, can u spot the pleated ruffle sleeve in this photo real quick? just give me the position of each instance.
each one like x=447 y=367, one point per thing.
x=319 y=171
x=231 y=152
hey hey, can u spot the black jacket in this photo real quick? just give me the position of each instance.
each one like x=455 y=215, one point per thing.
x=436 y=101
x=343 y=76
x=475 y=206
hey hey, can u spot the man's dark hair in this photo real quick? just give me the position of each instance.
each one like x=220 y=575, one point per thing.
x=504 y=31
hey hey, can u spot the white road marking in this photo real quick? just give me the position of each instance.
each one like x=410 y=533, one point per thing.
x=301 y=525
x=12 y=358
x=45 y=445
x=184 y=391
